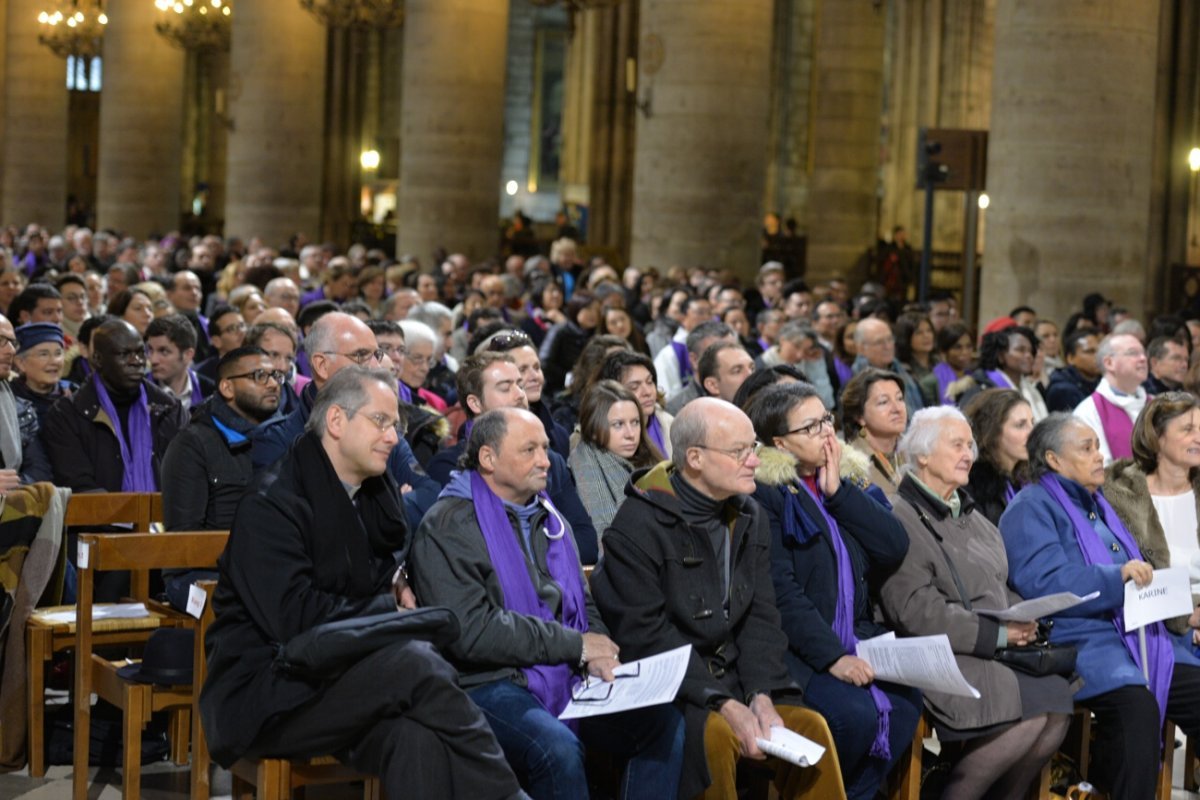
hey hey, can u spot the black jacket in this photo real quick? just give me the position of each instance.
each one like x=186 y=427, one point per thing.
x=206 y=469
x=82 y=443
x=805 y=574
x=659 y=586
x=299 y=554
x=987 y=486
x=1068 y=389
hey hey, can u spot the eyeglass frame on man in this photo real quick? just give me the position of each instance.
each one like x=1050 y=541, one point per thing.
x=750 y=450
x=359 y=357
x=261 y=376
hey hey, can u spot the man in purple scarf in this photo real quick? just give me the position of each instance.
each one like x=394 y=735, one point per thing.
x=496 y=551
x=171 y=351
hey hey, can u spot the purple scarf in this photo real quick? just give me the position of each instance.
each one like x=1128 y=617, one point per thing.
x=1118 y=427
x=1009 y=492
x=1158 y=645
x=655 y=432
x=843 y=370
x=551 y=684
x=681 y=355
x=138 y=454
x=945 y=376
x=999 y=379
x=405 y=392
x=843 y=615
x=194 y=382
x=764 y=344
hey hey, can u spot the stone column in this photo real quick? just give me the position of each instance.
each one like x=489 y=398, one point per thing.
x=701 y=151
x=1070 y=153
x=845 y=136
x=452 y=126
x=141 y=124
x=276 y=110
x=791 y=97
x=33 y=161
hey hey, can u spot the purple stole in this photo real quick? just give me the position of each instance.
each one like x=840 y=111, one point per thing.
x=1159 y=654
x=681 y=355
x=194 y=382
x=551 y=684
x=945 y=376
x=843 y=370
x=405 y=392
x=655 y=432
x=1118 y=427
x=1000 y=380
x=137 y=455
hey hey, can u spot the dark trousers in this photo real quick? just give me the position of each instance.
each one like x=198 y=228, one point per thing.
x=1126 y=753
x=399 y=714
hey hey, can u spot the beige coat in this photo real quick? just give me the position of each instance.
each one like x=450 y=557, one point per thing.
x=878 y=476
x=920 y=599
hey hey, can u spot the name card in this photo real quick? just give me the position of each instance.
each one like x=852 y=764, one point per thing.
x=1168 y=595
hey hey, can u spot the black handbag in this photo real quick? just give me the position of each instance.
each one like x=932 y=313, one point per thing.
x=326 y=651
x=1039 y=658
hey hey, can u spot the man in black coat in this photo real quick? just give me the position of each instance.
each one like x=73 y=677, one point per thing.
x=207 y=466
x=322 y=537
x=687 y=561
x=1075 y=382
x=87 y=446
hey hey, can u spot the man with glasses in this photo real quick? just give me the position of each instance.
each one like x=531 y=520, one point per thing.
x=1168 y=365
x=687 y=561
x=112 y=434
x=337 y=341
x=279 y=341
x=321 y=537
x=1112 y=409
x=24 y=458
x=497 y=551
x=226 y=333
x=207 y=467
x=73 y=289
x=877 y=348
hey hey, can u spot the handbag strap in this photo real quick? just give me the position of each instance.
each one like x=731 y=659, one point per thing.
x=962 y=593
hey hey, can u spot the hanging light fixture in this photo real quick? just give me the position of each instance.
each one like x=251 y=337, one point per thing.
x=357 y=13
x=198 y=25
x=73 y=27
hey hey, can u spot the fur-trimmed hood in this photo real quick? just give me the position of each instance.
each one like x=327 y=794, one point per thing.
x=778 y=467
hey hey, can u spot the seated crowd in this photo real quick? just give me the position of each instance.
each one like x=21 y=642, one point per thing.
x=589 y=467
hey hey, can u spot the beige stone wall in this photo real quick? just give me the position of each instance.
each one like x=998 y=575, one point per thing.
x=1069 y=168
x=791 y=105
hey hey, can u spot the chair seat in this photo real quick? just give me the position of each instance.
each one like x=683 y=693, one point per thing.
x=52 y=617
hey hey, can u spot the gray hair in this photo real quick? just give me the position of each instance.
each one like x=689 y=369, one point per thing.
x=488 y=430
x=796 y=331
x=924 y=431
x=1049 y=435
x=321 y=336
x=348 y=391
x=431 y=313
x=277 y=285
x=707 y=330
x=687 y=431
x=1106 y=348
x=418 y=332
x=1130 y=327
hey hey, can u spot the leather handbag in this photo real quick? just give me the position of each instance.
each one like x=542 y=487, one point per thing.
x=327 y=650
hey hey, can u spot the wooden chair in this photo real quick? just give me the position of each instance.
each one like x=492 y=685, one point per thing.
x=45 y=636
x=136 y=552
x=274 y=778
x=1079 y=740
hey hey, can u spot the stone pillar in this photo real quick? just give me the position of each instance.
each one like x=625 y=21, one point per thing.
x=141 y=124
x=452 y=127
x=701 y=151
x=1070 y=153
x=791 y=96
x=842 y=196
x=33 y=161
x=276 y=110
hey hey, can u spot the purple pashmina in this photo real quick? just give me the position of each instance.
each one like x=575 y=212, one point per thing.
x=945 y=376
x=1118 y=427
x=1158 y=644
x=844 y=371
x=843 y=617
x=551 y=684
x=138 y=454
x=405 y=392
x=655 y=432
x=194 y=382
x=681 y=354
x=1000 y=380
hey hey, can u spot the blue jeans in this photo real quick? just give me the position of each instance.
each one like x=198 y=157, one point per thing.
x=548 y=757
x=852 y=719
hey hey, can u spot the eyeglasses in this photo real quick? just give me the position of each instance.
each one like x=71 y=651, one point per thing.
x=385 y=423
x=600 y=691
x=394 y=350
x=261 y=376
x=8 y=341
x=235 y=327
x=738 y=454
x=508 y=341
x=813 y=428
x=359 y=357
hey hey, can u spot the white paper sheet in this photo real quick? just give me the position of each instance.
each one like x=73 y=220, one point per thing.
x=1038 y=607
x=791 y=746
x=1168 y=595
x=114 y=611
x=650 y=681
x=926 y=662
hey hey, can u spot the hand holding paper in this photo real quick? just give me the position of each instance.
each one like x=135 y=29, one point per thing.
x=1038 y=607
x=1168 y=595
x=791 y=746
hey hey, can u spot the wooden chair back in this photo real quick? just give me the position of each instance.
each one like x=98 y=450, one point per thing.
x=93 y=510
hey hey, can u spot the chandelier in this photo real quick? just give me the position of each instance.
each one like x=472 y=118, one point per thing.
x=357 y=13
x=199 y=25
x=73 y=28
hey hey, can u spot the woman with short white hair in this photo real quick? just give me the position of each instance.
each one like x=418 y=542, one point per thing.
x=420 y=344
x=955 y=563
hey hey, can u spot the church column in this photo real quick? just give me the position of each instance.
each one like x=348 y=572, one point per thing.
x=33 y=118
x=701 y=148
x=842 y=197
x=452 y=127
x=1070 y=153
x=141 y=124
x=276 y=122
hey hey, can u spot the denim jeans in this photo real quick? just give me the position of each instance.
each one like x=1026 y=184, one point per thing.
x=548 y=757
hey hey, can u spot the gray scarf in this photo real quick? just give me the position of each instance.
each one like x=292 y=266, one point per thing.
x=10 y=428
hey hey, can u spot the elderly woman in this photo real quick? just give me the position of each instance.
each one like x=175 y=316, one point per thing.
x=1001 y=421
x=40 y=355
x=874 y=417
x=1062 y=535
x=612 y=444
x=420 y=344
x=827 y=536
x=635 y=371
x=956 y=563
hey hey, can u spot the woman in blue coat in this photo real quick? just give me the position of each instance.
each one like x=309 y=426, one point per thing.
x=1061 y=535
x=828 y=538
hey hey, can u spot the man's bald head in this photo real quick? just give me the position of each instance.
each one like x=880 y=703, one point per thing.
x=338 y=340
x=875 y=342
x=118 y=355
x=279 y=316
x=713 y=446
